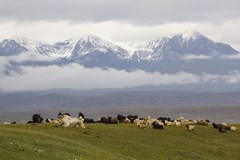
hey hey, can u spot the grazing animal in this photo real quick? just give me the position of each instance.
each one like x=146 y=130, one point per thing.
x=165 y=119
x=156 y=125
x=190 y=127
x=142 y=125
x=176 y=123
x=60 y=113
x=103 y=120
x=121 y=118
x=14 y=122
x=168 y=123
x=216 y=126
x=222 y=129
x=126 y=120
x=132 y=117
x=52 y=121
x=112 y=120
x=81 y=115
x=202 y=122
x=67 y=121
x=232 y=128
x=87 y=120
x=37 y=118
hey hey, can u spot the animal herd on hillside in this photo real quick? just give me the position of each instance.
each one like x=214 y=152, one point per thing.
x=65 y=120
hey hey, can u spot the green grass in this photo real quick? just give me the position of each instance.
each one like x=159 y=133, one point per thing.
x=116 y=142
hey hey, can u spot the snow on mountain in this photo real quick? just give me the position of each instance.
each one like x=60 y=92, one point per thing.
x=91 y=44
x=64 y=49
x=179 y=45
x=175 y=46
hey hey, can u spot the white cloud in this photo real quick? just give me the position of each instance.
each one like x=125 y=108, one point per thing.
x=75 y=76
x=195 y=57
x=236 y=56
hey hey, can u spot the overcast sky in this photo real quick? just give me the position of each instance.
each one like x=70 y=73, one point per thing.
x=119 y=20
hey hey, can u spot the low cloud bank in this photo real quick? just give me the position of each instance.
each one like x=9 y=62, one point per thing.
x=75 y=76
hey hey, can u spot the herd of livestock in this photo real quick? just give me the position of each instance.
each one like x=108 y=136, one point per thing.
x=65 y=120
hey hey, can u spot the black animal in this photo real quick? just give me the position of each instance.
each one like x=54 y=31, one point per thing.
x=163 y=119
x=216 y=126
x=37 y=118
x=112 y=120
x=86 y=120
x=81 y=115
x=222 y=129
x=60 y=113
x=207 y=121
x=103 y=120
x=121 y=118
x=132 y=117
x=157 y=125
x=49 y=120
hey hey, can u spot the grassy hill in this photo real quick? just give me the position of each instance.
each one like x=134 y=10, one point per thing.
x=116 y=142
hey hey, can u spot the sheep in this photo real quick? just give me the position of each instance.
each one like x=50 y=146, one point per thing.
x=216 y=126
x=10 y=122
x=56 y=121
x=222 y=129
x=190 y=127
x=168 y=123
x=132 y=117
x=156 y=125
x=126 y=120
x=232 y=128
x=80 y=115
x=180 y=118
x=60 y=113
x=176 y=123
x=121 y=118
x=142 y=125
x=37 y=118
x=202 y=122
x=67 y=121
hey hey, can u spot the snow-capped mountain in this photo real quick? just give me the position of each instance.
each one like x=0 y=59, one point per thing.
x=93 y=44
x=156 y=55
x=178 y=45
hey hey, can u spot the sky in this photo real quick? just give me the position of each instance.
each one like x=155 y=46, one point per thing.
x=119 y=20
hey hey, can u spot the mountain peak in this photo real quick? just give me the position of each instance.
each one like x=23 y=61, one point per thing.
x=190 y=34
x=187 y=35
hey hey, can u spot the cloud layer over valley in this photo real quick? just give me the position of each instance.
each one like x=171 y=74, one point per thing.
x=75 y=76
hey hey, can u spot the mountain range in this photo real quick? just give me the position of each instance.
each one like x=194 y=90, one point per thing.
x=189 y=51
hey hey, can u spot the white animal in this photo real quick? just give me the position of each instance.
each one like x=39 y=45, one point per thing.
x=232 y=128
x=190 y=127
x=67 y=121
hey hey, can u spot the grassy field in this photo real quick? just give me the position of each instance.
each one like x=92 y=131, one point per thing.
x=116 y=142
